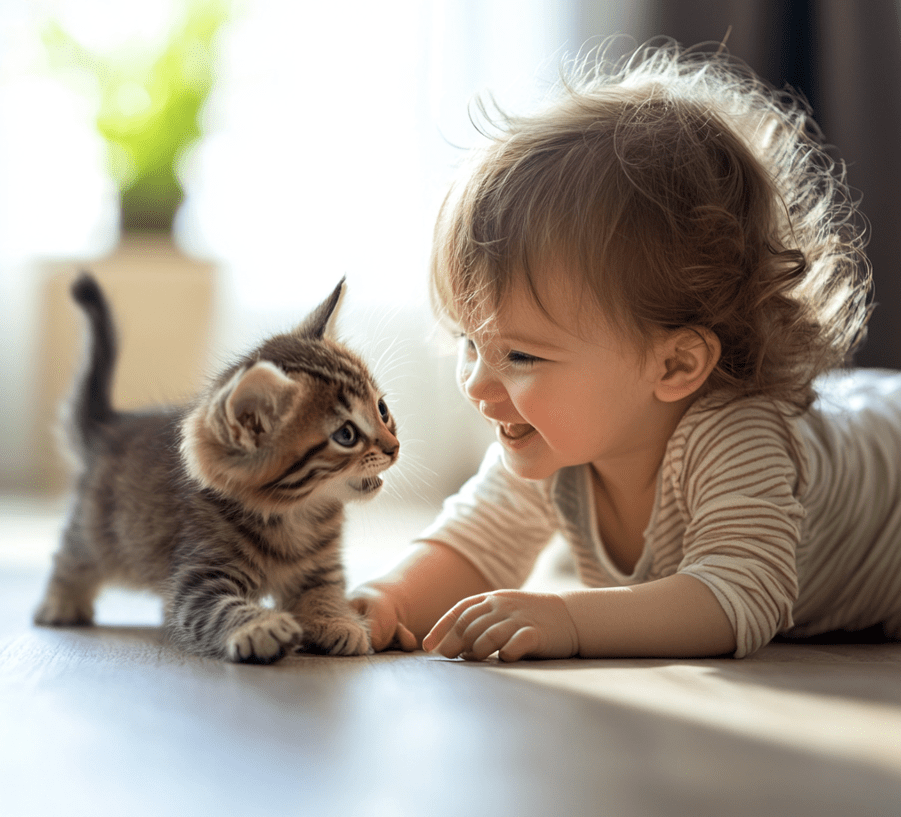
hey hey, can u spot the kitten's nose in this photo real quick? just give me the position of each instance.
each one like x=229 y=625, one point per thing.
x=389 y=447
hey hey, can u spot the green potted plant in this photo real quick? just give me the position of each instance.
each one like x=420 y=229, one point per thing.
x=150 y=99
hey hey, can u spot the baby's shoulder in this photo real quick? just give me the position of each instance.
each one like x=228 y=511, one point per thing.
x=716 y=418
x=718 y=433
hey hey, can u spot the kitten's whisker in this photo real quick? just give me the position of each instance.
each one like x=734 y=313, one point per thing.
x=417 y=466
x=384 y=319
x=382 y=368
x=416 y=489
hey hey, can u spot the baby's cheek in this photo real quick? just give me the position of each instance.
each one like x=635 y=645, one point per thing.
x=562 y=425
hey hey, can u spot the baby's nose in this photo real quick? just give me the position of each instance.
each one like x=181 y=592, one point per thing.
x=480 y=384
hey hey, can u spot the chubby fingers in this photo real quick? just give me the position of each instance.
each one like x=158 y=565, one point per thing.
x=513 y=623
x=509 y=639
x=385 y=629
x=404 y=639
x=448 y=633
x=474 y=629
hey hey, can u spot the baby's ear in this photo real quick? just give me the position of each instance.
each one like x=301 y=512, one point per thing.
x=685 y=358
x=254 y=403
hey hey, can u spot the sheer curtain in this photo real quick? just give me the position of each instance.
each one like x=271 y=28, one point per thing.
x=332 y=128
x=328 y=142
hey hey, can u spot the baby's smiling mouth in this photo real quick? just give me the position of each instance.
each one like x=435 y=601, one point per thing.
x=515 y=431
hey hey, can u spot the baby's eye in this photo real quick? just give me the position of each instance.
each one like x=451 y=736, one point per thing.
x=521 y=359
x=466 y=344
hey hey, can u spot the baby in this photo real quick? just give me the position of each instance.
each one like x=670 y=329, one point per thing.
x=655 y=282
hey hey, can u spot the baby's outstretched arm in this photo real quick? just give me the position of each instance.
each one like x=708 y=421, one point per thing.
x=673 y=617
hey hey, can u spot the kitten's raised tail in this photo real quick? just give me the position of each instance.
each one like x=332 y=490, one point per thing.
x=91 y=404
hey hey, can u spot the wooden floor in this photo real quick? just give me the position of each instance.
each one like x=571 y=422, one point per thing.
x=109 y=720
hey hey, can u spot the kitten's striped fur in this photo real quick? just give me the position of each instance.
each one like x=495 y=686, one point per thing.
x=234 y=498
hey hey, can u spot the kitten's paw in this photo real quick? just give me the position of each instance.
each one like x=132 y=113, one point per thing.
x=265 y=639
x=64 y=612
x=339 y=636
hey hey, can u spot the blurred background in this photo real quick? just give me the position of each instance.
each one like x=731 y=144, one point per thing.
x=222 y=164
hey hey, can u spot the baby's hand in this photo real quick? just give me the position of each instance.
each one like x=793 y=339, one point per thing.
x=517 y=624
x=386 y=629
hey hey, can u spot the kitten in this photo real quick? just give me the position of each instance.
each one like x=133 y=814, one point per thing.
x=234 y=498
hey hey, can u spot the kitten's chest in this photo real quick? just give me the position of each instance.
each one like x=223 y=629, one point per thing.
x=286 y=548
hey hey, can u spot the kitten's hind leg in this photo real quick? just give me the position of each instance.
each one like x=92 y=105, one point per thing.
x=69 y=598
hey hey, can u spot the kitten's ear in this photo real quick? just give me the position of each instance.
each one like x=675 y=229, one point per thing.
x=320 y=323
x=254 y=403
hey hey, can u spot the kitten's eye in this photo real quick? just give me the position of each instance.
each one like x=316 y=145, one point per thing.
x=383 y=411
x=347 y=435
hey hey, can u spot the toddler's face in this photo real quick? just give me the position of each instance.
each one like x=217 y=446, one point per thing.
x=556 y=398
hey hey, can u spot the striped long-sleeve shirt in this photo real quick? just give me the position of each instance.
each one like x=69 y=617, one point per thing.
x=793 y=522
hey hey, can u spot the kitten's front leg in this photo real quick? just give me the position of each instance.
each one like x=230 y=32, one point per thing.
x=264 y=639
x=209 y=613
x=329 y=623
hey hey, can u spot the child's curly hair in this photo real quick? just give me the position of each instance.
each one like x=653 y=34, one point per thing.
x=685 y=192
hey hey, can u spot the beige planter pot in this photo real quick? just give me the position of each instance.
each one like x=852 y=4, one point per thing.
x=162 y=301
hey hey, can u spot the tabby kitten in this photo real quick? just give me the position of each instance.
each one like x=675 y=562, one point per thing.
x=230 y=500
